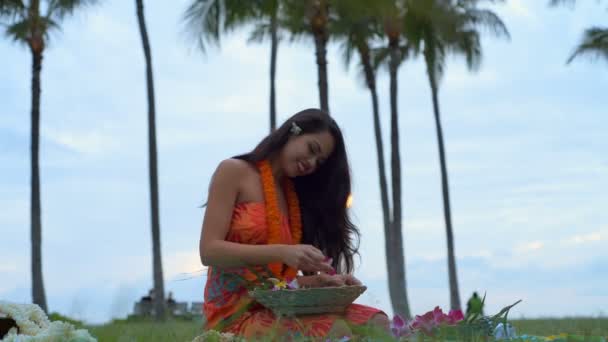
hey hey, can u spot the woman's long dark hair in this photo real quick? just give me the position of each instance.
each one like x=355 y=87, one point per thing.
x=322 y=194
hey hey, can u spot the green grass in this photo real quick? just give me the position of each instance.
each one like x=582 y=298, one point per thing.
x=149 y=331
x=578 y=326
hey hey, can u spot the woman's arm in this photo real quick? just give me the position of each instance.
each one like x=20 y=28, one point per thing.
x=216 y=251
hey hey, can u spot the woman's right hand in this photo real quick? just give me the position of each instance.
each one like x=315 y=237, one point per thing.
x=306 y=258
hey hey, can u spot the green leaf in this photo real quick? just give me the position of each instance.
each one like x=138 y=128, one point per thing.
x=593 y=44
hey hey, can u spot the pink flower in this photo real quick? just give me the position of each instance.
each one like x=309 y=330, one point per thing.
x=329 y=261
x=399 y=327
x=425 y=323
x=438 y=316
x=455 y=316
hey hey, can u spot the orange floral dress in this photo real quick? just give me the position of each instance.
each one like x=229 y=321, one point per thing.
x=228 y=307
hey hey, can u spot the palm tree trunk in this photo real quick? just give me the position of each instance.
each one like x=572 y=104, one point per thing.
x=274 y=44
x=321 y=53
x=370 y=78
x=396 y=272
x=395 y=261
x=38 y=294
x=453 y=279
x=159 y=290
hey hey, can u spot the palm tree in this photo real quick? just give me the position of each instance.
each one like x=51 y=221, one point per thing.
x=393 y=18
x=442 y=28
x=208 y=19
x=358 y=27
x=313 y=17
x=594 y=42
x=27 y=25
x=157 y=265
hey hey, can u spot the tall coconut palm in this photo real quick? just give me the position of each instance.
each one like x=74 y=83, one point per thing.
x=393 y=17
x=594 y=42
x=208 y=19
x=357 y=27
x=29 y=24
x=440 y=28
x=313 y=17
x=157 y=265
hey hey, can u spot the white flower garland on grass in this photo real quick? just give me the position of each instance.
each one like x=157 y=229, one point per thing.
x=34 y=326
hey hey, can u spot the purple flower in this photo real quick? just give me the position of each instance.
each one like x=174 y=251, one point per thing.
x=292 y=285
x=399 y=327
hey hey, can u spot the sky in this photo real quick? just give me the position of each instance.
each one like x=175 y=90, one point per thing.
x=525 y=143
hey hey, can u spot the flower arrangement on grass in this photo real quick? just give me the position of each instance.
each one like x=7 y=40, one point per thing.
x=427 y=323
x=453 y=326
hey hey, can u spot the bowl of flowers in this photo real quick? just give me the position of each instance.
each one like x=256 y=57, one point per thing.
x=287 y=298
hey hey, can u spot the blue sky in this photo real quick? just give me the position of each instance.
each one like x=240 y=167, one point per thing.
x=524 y=140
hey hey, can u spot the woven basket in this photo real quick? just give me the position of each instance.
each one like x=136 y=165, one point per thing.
x=308 y=300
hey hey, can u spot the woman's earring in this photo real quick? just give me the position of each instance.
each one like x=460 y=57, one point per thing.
x=295 y=129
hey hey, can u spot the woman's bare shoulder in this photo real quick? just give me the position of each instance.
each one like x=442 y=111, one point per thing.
x=234 y=168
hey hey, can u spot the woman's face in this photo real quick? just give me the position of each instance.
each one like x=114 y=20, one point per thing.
x=303 y=154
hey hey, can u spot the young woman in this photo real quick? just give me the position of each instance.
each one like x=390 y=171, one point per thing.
x=282 y=205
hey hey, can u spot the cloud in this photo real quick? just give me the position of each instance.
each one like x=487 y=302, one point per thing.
x=518 y=8
x=529 y=247
x=89 y=143
x=586 y=238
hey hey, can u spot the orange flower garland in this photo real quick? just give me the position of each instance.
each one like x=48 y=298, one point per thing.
x=273 y=216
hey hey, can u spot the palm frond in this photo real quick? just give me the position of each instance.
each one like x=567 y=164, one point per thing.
x=594 y=44
x=380 y=57
x=206 y=20
x=348 y=50
x=468 y=44
x=434 y=52
x=238 y=13
x=11 y=8
x=486 y=19
x=203 y=21
x=62 y=8
x=21 y=30
x=554 y=3
x=260 y=32
x=295 y=18
x=49 y=25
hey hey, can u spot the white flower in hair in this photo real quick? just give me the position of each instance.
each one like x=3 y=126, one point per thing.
x=295 y=129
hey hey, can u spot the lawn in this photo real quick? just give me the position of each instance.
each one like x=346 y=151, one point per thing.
x=148 y=331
